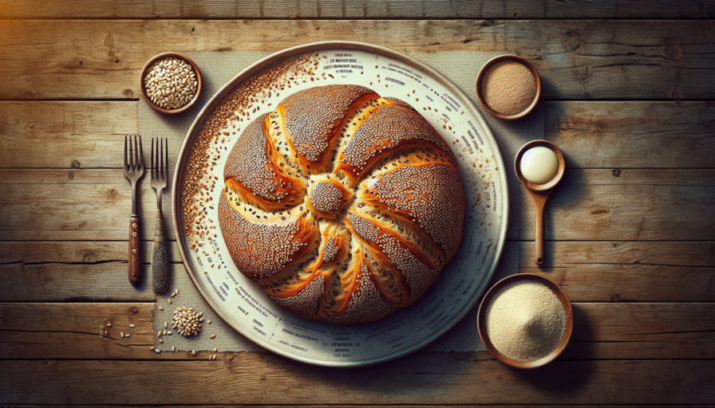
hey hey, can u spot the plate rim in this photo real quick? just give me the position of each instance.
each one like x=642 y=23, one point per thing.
x=305 y=48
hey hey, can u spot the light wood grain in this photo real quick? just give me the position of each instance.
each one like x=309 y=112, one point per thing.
x=68 y=204
x=355 y=9
x=601 y=331
x=577 y=59
x=449 y=378
x=43 y=134
x=65 y=134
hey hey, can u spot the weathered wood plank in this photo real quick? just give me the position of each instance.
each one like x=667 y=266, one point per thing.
x=355 y=9
x=67 y=204
x=85 y=252
x=72 y=330
x=634 y=204
x=627 y=271
x=66 y=134
x=577 y=59
x=632 y=283
x=106 y=281
x=587 y=271
x=252 y=378
x=601 y=331
x=561 y=253
x=391 y=406
x=566 y=254
x=642 y=330
x=42 y=134
x=633 y=134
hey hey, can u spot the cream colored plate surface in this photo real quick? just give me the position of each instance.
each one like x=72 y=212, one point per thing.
x=258 y=90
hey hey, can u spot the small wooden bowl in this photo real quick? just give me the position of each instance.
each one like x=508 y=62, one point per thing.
x=554 y=181
x=482 y=319
x=162 y=56
x=483 y=72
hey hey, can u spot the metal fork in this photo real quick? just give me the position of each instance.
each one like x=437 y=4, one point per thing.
x=134 y=170
x=159 y=178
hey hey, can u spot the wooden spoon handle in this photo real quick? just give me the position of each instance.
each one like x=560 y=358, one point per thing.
x=136 y=271
x=539 y=251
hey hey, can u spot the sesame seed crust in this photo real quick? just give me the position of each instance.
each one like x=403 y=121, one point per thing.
x=259 y=250
x=389 y=128
x=365 y=304
x=305 y=303
x=297 y=226
x=248 y=159
x=419 y=276
x=325 y=197
x=411 y=190
x=254 y=171
x=329 y=250
x=313 y=114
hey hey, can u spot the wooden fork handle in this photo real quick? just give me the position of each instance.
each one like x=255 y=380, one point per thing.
x=136 y=271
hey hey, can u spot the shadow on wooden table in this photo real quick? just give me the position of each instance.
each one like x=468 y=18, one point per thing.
x=563 y=379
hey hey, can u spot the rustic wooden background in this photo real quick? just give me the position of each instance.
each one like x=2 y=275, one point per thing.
x=629 y=90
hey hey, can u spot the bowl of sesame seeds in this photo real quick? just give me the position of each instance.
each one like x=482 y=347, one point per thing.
x=171 y=83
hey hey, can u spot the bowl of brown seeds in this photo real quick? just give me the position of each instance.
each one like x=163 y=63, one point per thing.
x=171 y=82
x=508 y=87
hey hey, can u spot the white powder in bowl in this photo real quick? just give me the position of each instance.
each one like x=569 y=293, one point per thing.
x=525 y=320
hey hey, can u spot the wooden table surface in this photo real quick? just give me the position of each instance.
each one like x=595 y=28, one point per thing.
x=628 y=94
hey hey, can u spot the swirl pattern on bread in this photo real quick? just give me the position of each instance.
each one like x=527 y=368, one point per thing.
x=344 y=206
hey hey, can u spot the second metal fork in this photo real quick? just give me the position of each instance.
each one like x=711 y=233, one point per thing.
x=159 y=179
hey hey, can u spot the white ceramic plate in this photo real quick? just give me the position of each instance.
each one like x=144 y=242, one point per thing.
x=240 y=301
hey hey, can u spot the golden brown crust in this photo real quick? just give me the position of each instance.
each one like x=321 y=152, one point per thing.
x=255 y=172
x=407 y=188
x=406 y=257
x=388 y=130
x=312 y=119
x=343 y=205
x=263 y=248
x=327 y=196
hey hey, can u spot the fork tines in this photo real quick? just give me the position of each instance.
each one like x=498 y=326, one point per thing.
x=133 y=155
x=159 y=159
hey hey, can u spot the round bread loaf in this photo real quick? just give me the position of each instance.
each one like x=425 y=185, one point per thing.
x=344 y=206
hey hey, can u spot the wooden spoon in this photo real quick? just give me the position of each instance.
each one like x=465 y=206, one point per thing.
x=539 y=192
